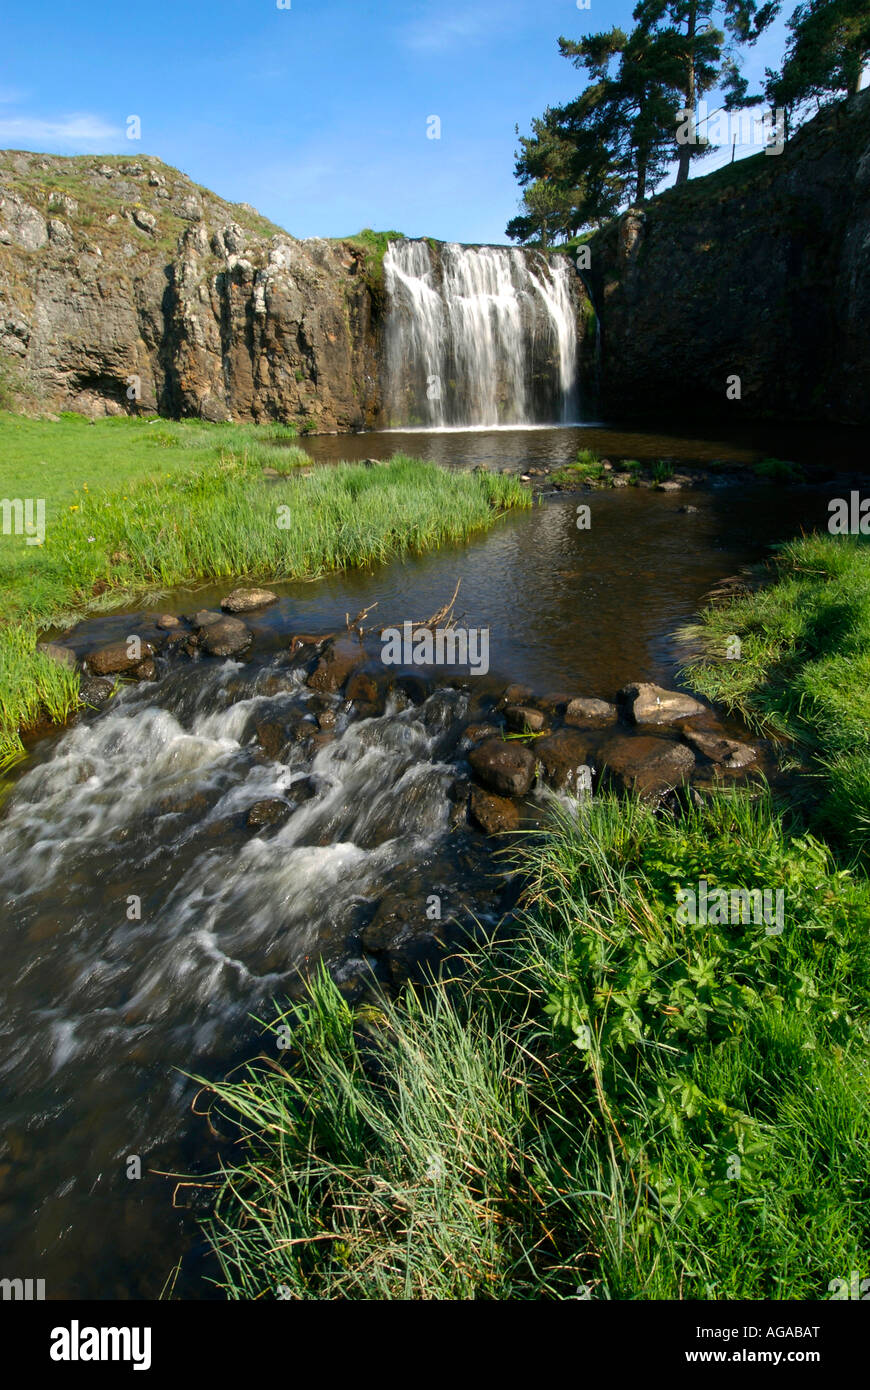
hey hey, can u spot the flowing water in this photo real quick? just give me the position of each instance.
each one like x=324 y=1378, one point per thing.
x=103 y=1014
x=479 y=336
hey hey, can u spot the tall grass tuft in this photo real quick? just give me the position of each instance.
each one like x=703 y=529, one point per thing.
x=605 y=1104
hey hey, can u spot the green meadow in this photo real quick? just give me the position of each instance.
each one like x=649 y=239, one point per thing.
x=135 y=507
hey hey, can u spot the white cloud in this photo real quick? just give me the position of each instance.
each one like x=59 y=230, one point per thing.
x=77 y=129
x=437 y=34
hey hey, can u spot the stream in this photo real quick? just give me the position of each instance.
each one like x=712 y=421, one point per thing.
x=102 y=1015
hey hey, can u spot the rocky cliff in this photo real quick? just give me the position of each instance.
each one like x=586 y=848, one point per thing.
x=760 y=270
x=122 y=278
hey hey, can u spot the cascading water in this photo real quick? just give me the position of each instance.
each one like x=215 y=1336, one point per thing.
x=148 y=804
x=479 y=336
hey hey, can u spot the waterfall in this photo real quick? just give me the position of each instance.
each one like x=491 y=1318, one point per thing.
x=479 y=336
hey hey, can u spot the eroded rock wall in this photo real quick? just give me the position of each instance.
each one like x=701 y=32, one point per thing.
x=760 y=270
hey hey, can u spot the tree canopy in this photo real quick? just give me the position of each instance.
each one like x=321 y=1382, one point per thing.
x=614 y=143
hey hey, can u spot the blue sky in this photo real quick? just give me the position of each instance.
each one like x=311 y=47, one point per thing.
x=317 y=114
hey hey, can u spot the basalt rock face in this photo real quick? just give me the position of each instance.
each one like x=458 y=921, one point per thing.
x=121 y=277
x=761 y=270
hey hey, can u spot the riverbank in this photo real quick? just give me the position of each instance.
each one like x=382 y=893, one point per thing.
x=803 y=675
x=161 y=504
x=627 y=1095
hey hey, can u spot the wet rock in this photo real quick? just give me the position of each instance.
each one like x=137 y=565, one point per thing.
x=326 y=719
x=362 y=686
x=226 y=637
x=306 y=643
x=645 y=764
x=341 y=656
x=387 y=927
x=494 y=814
x=720 y=749
x=650 y=704
x=246 y=600
x=564 y=757
x=590 y=714
x=95 y=690
x=554 y=704
x=271 y=811
x=176 y=639
x=167 y=622
x=478 y=733
x=416 y=688
x=145 y=671
x=64 y=656
x=116 y=658
x=182 y=803
x=273 y=735
x=366 y=709
x=321 y=738
x=506 y=768
x=516 y=694
x=302 y=790
x=205 y=617
x=522 y=719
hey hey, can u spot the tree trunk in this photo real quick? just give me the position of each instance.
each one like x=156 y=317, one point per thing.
x=685 y=155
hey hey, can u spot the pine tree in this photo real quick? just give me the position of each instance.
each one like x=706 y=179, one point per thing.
x=827 y=52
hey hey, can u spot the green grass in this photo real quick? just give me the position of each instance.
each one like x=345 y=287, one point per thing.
x=58 y=459
x=707 y=1137
x=586 y=468
x=804 y=672
x=195 y=506
x=662 y=470
x=773 y=470
x=375 y=245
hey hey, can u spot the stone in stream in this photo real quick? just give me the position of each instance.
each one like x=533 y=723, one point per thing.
x=650 y=704
x=590 y=714
x=564 y=757
x=478 y=733
x=205 y=617
x=268 y=812
x=494 y=814
x=340 y=657
x=273 y=735
x=505 y=768
x=116 y=659
x=416 y=688
x=246 y=600
x=720 y=749
x=516 y=694
x=226 y=637
x=167 y=622
x=362 y=686
x=522 y=719
x=646 y=764
x=96 y=690
x=64 y=656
